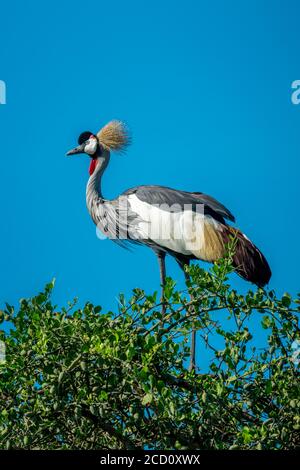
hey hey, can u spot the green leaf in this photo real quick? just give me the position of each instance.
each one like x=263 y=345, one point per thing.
x=286 y=299
x=266 y=322
x=147 y=399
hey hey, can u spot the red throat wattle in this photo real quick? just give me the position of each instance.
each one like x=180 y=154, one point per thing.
x=92 y=166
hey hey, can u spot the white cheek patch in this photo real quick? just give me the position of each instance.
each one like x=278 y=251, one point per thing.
x=91 y=146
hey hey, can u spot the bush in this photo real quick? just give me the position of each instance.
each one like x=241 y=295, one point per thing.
x=83 y=379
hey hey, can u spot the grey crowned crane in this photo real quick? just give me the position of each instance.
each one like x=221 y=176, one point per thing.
x=185 y=225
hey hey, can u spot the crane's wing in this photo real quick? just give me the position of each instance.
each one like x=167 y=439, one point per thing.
x=161 y=195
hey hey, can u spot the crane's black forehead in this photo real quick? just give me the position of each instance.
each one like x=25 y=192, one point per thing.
x=84 y=136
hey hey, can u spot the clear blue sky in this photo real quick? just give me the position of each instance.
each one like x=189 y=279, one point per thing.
x=206 y=90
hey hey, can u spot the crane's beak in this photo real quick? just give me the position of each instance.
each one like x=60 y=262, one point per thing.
x=79 y=149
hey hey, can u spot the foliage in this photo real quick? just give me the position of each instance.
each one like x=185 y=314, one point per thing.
x=84 y=379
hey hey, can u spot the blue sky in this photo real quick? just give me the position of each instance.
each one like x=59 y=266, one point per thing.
x=206 y=90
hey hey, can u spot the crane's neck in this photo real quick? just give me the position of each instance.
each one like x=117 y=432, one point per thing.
x=97 y=168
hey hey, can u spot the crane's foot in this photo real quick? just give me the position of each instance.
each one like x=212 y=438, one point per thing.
x=192 y=366
x=162 y=269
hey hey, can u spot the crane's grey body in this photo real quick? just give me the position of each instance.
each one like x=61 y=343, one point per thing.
x=128 y=218
x=162 y=195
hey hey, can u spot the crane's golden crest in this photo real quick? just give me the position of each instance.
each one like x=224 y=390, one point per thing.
x=114 y=136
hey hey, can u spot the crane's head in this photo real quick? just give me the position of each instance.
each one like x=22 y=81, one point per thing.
x=112 y=137
x=88 y=143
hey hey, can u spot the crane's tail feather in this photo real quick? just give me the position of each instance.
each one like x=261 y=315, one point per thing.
x=114 y=136
x=248 y=260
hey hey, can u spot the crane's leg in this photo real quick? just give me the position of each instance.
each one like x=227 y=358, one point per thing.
x=162 y=270
x=192 y=365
